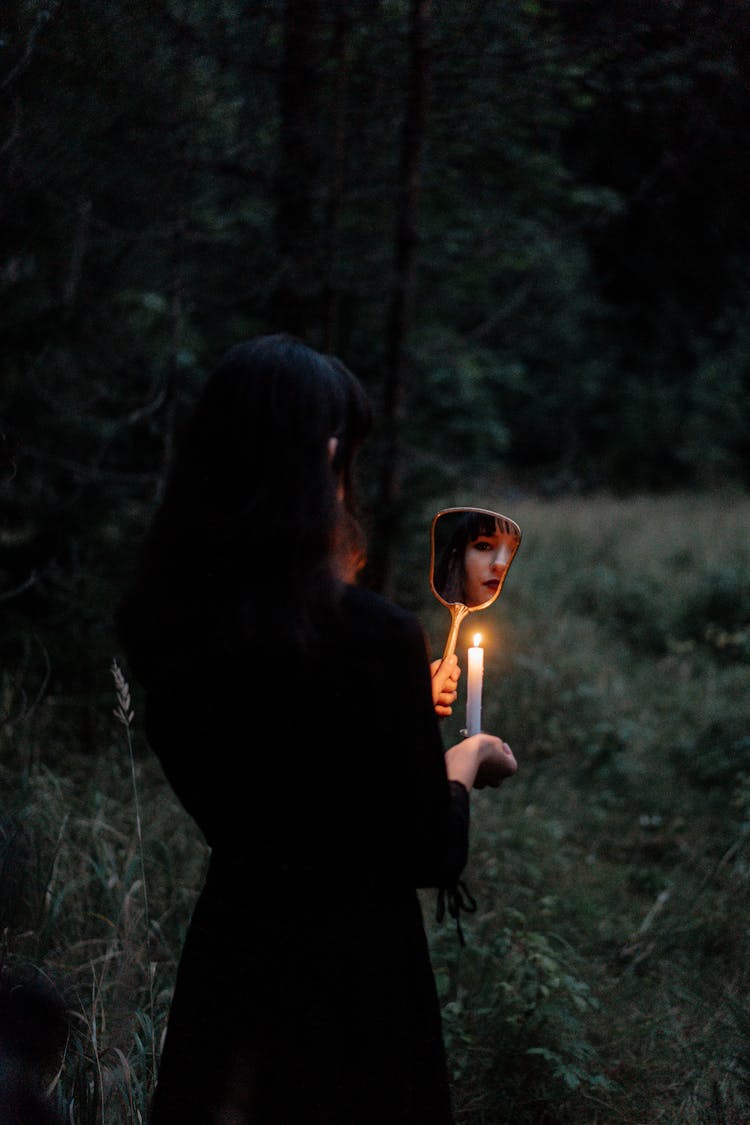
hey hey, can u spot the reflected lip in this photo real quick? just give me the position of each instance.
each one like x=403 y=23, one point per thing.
x=492 y=583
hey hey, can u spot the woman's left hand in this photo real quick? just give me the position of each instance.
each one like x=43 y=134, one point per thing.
x=445 y=674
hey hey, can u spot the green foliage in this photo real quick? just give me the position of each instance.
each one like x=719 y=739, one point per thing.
x=718 y=608
x=520 y=997
x=564 y=327
x=455 y=386
x=619 y=852
x=630 y=605
x=603 y=975
x=98 y=904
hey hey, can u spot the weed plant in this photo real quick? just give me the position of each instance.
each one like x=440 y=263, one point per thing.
x=96 y=905
x=604 y=977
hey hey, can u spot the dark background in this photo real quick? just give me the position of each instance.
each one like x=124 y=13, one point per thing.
x=524 y=225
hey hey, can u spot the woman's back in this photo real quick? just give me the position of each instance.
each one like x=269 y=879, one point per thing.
x=307 y=953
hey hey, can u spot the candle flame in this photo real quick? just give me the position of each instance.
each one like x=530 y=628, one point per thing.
x=477 y=639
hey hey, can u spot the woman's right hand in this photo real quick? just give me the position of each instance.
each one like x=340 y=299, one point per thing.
x=479 y=761
x=445 y=675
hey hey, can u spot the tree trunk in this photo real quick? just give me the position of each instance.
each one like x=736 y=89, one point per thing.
x=295 y=304
x=78 y=251
x=406 y=242
x=336 y=177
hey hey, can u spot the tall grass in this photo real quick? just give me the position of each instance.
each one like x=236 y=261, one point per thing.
x=618 y=666
x=105 y=868
x=605 y=972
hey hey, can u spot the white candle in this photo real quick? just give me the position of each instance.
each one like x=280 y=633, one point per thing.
x=474 y=687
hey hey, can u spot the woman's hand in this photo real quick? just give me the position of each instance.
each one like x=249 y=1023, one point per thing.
x=445 y=675
x=497 y=764
x=479 y=761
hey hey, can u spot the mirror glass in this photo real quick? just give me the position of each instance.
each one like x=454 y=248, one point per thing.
x=471 y=553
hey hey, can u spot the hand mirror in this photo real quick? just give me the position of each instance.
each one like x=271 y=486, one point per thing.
x=471 y=550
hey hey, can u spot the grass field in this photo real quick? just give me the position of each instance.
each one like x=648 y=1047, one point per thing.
x=605 y=973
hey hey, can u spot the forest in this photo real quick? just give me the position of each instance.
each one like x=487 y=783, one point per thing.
x=524 y=225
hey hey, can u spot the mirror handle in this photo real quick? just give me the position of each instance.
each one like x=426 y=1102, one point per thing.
x=458 y=612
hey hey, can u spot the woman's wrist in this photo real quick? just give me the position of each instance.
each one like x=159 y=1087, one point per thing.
x=462 y=762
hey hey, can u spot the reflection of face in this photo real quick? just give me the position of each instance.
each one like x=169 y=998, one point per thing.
x=486 y=559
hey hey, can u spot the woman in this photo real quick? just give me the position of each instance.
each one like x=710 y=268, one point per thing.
x=472 y=567
x=295 y=717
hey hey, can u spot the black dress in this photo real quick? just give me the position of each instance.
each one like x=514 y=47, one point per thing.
x=305 y=994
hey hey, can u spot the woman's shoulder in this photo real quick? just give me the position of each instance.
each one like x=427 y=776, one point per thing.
x=366 y=610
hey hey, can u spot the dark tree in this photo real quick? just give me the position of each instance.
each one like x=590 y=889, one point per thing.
x=406 y=246
x=295 y=304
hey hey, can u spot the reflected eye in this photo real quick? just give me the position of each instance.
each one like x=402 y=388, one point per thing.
x=482 y=545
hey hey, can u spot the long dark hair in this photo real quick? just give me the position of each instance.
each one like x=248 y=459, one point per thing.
x=245 y=538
